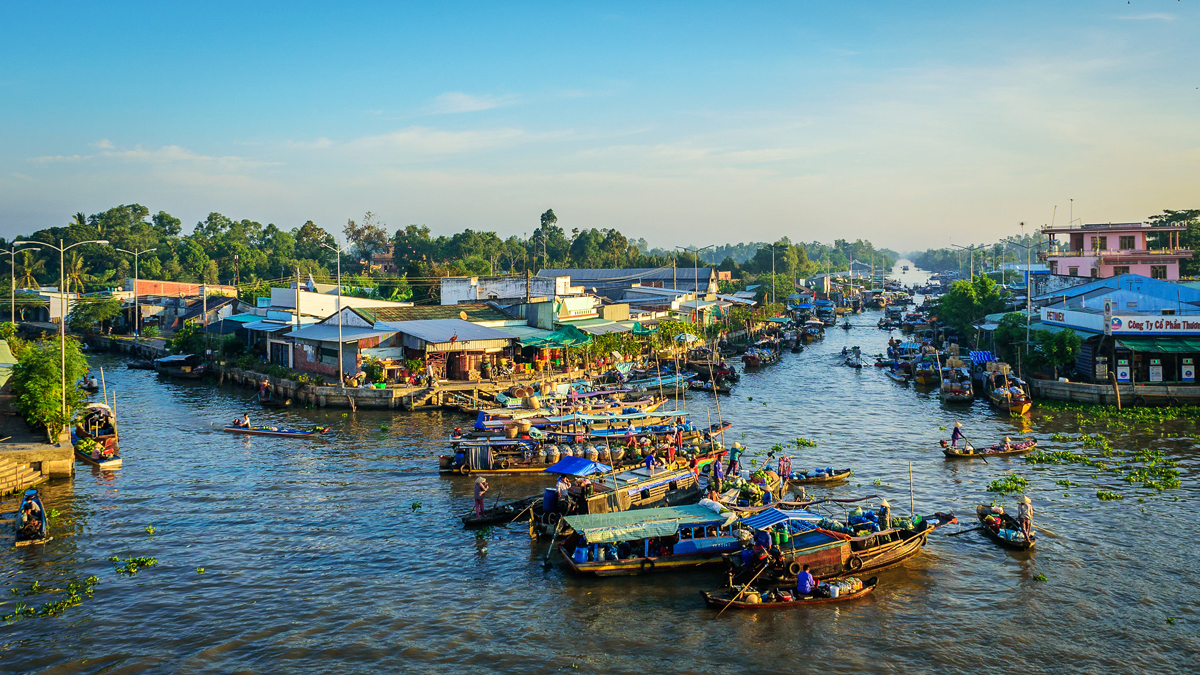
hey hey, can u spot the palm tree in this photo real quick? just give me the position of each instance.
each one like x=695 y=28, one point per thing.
x=30 y=267
x=75 y=271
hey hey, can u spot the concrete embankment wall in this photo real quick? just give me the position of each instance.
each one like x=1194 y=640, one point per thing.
x=1131 y=394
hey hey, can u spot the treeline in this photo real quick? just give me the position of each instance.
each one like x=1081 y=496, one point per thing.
x=246 y=253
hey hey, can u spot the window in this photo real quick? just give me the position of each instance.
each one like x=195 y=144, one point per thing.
x=1168 y=312
x=1099 y=243
x=1158 y=271
x=1095 y=273
x=329 y=356
x=1119 y=270
x=1053 y=267
x=1073 y=271
x=1127 y=243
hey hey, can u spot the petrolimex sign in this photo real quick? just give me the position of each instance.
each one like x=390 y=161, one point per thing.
x=1122 y=324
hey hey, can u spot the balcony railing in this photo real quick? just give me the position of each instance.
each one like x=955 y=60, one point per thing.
x=1125 y=253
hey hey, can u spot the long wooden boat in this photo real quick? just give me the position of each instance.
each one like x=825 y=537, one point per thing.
x=185 y=366
x=833 y=555
x=140 y=364
x=830 y=478
x=723 y=388
x=499 y=456
x=647 y=541
x=504 y=513
x=1017 y=542
x=31 y=496
x=276 y=431
x=1018 y=448
x=897 y=376
x=569 y=422
x=728 y=598
x=86 y=458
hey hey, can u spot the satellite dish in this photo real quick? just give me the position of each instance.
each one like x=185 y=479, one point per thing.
x=462 y=315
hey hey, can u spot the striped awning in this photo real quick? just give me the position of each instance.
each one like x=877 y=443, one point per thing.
x=772 y=517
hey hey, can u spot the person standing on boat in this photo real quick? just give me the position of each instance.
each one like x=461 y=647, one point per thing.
x=956 y=434
x=735 y=454
x=1025 y=516
x=717 y=476
x=481 y=488
x=885 y=514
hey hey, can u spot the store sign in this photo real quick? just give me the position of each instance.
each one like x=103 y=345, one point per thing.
x=1122 y=370
x=1156 y=370
x=1117 y=324
x=1187 y=371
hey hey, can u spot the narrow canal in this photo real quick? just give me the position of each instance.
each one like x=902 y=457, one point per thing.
x=345 y=554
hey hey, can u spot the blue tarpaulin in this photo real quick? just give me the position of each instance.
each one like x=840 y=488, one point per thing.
x=807 y=305
x=577 y=466
x=983 y=357
x=771 y=517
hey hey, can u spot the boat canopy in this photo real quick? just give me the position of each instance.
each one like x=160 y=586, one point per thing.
x=603 y=528
x=577 y=466
x=177 y=358
x=983 y=357
x=773 y=516
x=806 y=305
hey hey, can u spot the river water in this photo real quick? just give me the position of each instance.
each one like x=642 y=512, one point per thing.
x=345 y=554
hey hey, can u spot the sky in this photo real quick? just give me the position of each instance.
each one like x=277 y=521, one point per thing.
x=913 y=125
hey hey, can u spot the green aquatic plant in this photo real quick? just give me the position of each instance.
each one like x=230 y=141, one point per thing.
x=383 y=427
x=1061 y=438
x=877 y=482
x=1009 y=484
x=199 y=570
x=1106 y=496
x=149 y=529
x=131 y=565
x=416 y=506
x=1041 y=577
x=805 y=443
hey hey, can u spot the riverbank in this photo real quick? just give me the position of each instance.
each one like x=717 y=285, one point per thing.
x=27 y=457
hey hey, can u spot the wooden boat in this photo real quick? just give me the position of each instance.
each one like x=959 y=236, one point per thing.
x=42 y=533
x=498 y=456
x=956 y=386
x=1017 y=542
x=90 y=384
x=185 y=366
x=276 y=431
x=140 y=364
x=927 y=371
x=729 y=598
x=756 y=357
x=504 y=513
x=846 y=325
x=722 y=388
x=837 y=475
x=572 y=421
x=831 y=554
x=1007 y=393
x=646 y=541
x=269 y=401
x=898 y=376
x=1018 y=448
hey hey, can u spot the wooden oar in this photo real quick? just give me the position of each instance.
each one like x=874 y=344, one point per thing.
x=546 y=560
x=955 y=534
x=968 y=442
x=739 y=593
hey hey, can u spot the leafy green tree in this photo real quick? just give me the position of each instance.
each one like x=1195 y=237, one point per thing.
x=1059 y=349
x=28 y=269
x=1189 y=239
x=959 y=306
x=369 y=237
x=1009 y=336
x=189 y=339
x=37 y=383
x=88 y=312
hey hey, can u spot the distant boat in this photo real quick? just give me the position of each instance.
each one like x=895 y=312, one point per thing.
x=905 y=268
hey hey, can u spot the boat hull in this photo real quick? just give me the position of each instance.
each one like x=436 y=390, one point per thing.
x=725 y=599
x=286 y=433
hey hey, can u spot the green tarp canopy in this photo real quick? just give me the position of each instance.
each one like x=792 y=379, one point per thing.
x=603 y=528
x=567 y=336
x=639 y=329
x=1161 y=344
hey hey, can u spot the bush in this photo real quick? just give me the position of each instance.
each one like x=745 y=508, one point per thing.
x=188 y=340
x=232 y=345
x=7 y=330
x=150 y=332
x=374 y=369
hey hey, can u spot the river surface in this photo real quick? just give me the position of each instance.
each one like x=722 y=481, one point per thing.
x=345 y=554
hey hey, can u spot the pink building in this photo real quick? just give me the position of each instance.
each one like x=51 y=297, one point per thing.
x=1103 y=251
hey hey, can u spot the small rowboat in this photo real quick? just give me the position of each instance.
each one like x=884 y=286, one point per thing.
x=112 y=462
x=969 y=452
x=275 y=431
x=899 y=377
x=504 y=513
x=830 y=478
x=1017 y=543
x=721 y=599
x=42 y=533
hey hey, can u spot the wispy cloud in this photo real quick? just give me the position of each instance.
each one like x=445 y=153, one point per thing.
x=1154 y=16
x=167 y=154
x=453 y=102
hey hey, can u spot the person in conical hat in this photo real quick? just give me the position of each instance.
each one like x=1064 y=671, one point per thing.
x=1025 y=516
x=956 y=434
x=481 y=488
x=885 y=514
x=1007 y=442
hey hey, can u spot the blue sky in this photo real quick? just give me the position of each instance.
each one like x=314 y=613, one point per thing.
x=910 y=124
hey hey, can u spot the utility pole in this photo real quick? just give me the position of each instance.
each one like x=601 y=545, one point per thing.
x=12 y=275
x=297 y=302
x=772 y=273
x=341 y=367
x=137 y=314
x=204 y=317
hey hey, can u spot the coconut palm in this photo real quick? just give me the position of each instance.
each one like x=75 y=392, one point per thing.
x=75 y=271
x=30 y=267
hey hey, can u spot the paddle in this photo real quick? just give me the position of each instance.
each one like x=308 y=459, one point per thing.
x=546 y=560
x=955 y=534
x=739 y=593
x=972 y=446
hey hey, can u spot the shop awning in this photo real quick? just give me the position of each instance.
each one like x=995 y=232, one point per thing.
x=567 y=336
x=639 y=329
x=640 y=524
x=1161 y=344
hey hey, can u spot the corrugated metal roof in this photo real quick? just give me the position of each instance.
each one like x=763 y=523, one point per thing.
x=329 y=333
x=243 y=318
x=442 y=330
x=598 y=326
x=268 y=326
x=475 y=312
x=527 y=335
x=630 y=274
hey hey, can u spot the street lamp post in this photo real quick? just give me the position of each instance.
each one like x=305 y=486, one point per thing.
x=137 y=314
x=1028 y=287
x=62 y=310
x=970 y=248
x=12 y=279
x=341 y=369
